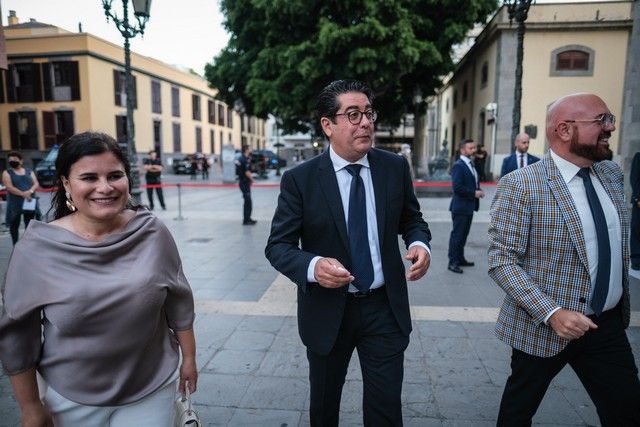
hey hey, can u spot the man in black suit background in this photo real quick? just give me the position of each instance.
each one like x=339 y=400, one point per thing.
x=465 y=200
x=634 y=237
x=335 y=234
x=520 y=158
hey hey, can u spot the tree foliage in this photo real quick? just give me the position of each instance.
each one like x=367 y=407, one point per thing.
x=283 y=52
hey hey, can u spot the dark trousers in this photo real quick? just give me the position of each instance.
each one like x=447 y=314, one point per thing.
x=14 y=225
x=158 y=192
x=370 y=327
x=458 y=237
x=603 y=361
x=245 y=188
x=634 y=238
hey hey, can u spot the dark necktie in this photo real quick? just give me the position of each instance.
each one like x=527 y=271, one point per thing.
x=361 y=265
x=604 y=249
x=521 y=161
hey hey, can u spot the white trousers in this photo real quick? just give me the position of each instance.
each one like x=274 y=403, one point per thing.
x=155 y=410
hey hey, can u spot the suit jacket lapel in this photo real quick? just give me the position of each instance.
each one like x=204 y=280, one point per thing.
x=561 y=193
x=329 y=186
x=379 y=180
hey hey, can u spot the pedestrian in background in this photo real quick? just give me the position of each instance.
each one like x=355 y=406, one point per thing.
x=558 y=247
x=464 y=201
x=21 y=184
x=480 y=161
x=634 y=179
x=205 y=167
x=103 y=312
x=335 y=234
x=520 y=158
x=153 y=175
x=245 y=179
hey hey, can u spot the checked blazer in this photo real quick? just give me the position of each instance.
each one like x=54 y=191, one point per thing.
x=537 y=252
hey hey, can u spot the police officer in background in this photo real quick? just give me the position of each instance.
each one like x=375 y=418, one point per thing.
x=245 y=178
x=153 y=168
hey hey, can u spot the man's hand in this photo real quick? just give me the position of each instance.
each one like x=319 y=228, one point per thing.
x=329 y=273
x=479 y=194
x=421 y=261
x=570 y=324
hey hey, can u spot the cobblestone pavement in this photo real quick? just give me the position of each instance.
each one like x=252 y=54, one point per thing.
x=253 y=367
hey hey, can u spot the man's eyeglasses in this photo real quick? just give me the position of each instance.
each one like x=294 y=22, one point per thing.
x=604 y=119
x=355 y=116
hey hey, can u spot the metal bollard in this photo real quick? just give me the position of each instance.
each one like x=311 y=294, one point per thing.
x=180 y=217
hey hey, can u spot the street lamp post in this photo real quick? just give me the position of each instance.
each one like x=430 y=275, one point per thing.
x=518 y=10
x=130 y=30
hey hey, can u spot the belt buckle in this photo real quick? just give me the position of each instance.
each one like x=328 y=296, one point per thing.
x=360 y=294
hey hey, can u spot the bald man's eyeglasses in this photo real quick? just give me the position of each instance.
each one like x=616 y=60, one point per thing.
x=605 y=119
x=355 y=116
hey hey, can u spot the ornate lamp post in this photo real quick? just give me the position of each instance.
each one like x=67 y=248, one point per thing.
x=518 y=10
x=130 y=30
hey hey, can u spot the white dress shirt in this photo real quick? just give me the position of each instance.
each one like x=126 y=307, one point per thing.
x=576 y=187
x=344 y=185
x=472 y=167
x=524 y=157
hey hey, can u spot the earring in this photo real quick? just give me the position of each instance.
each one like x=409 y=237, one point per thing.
x=69 y=202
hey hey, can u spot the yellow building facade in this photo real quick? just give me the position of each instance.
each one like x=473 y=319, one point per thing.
x=59 y=83
x=568 y=48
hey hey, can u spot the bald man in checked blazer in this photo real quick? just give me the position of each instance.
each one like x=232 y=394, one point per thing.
x=567 y=291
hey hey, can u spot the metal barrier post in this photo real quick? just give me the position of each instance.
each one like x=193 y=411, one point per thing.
x=180 y=217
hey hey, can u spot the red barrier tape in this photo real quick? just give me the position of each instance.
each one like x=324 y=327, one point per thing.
x=203 y=185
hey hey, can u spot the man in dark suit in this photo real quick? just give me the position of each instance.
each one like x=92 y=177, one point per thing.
x=520 y=158
x=465 y=200
x=634 y=179
x=558 y=247
x=335 y=235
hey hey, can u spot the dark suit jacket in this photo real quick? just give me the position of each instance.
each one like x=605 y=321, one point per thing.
x=464 y=187
x=634 y=179
x=309 y=221
x=510 y=163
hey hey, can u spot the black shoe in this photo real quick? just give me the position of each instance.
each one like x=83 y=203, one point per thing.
x=635 y=266
x=164 y=208
x=249 y=222
x=455 y=268
x=466 y=263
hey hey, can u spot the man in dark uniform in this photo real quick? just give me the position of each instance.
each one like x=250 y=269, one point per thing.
x=245 y=178
x=153 y=168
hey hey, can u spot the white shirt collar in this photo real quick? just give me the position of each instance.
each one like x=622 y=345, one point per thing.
x=466 y=159
x=340 y=163
x=567 y=169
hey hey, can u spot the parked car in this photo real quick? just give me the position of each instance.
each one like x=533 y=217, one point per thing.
x=272 y=160
x=182 y=166
x=46 y=169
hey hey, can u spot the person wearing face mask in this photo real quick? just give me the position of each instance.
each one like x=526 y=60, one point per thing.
x=21 y=184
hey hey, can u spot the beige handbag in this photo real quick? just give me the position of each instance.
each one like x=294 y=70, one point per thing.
x=185 y=416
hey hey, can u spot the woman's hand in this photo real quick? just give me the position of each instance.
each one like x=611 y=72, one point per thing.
x=188 y=372
x=36 y=415
x=188 y=369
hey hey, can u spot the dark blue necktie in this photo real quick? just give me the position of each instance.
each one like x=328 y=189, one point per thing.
x=604 y=248
x=361 y=265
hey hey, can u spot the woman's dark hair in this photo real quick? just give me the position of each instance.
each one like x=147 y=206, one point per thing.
x=327 y=102
x=73 y=149
x=14 y=154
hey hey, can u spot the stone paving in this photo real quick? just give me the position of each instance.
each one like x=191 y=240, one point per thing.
x=253 y=367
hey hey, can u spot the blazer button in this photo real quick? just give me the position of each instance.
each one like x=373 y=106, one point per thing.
x=582 y=300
